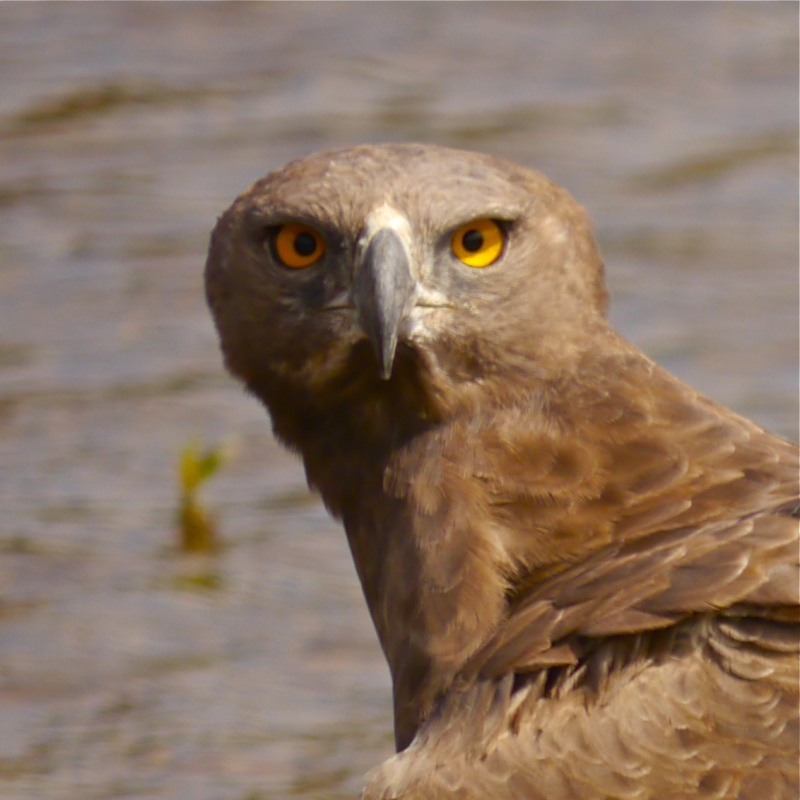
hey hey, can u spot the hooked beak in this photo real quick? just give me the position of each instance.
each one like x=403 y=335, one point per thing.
x=383 y=293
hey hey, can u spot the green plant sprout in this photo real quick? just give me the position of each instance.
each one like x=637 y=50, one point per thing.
x=196 y=525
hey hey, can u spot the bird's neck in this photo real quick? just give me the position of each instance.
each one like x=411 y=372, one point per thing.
x=431 y=582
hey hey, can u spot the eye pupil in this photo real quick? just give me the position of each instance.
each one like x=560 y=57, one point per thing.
x=304 y=244
x=472 y=241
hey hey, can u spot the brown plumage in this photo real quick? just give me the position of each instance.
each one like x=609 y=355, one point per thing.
x=583 y=574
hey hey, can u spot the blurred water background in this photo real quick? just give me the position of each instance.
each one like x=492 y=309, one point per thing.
x=131 y=670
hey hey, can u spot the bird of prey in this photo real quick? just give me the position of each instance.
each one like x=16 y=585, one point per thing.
x=583 y=574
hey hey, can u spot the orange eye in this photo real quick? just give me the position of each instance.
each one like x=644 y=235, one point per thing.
x=298 y=246
x=479 y=243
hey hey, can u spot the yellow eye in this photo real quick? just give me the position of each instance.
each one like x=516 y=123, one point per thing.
x=479 y=243
x=298 y=246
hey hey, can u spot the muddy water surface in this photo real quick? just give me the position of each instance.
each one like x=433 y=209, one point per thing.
x=130 y=670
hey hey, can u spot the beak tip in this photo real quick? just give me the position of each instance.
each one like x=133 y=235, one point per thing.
x=386 y=361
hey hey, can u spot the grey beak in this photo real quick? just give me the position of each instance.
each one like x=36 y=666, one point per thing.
x=383 y=293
